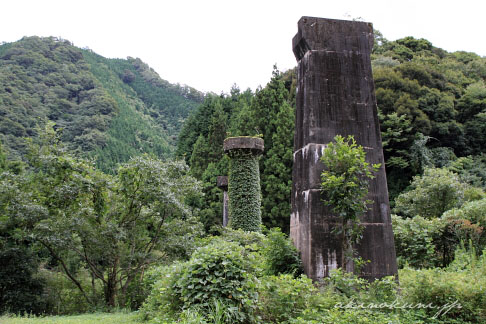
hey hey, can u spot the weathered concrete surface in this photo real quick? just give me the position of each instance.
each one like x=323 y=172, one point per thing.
x=222 y=182
x=243 y=142
x=335 y=95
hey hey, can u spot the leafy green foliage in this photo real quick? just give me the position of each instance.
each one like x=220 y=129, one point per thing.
x=344 y=186
x=244 y=190
x=272 y=115
x=415 y=241
x=221 y=277
x=425 y=243
x=277 y=253
x=284 y=297
x=438 y=93
x=164 y=303
x=462 y=283
x=111 y=226
x=168 y=104
x=280 y=254
x=47 y=78
x=219 y=271
x=63 y=296
x=21 y=287
x=277 y=176
x=467 y=224
x=471 y=170
x=341 y=298
x=96 y=226
x=430 y=195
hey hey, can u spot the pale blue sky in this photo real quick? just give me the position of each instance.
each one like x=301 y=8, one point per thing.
x=210 y=45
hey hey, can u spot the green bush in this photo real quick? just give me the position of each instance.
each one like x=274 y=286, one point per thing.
x=163 y=303
x=351 y=287
x=216 y=312
x=466 y=223
x=284 y=297
x=414 y=241
x=338 y=316
x=219 y=273
x=463 y=281
x=280 y=254
x=221 y=270
x=473 y=194
x=345 y=283
x=251 y=240
x=276 y=253
x=431 y=194
x=157 y=277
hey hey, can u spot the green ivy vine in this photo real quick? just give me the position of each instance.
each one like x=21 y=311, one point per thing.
x=244 y=191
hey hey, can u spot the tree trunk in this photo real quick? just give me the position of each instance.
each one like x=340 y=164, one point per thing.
x=110 y=291
x=110 y=286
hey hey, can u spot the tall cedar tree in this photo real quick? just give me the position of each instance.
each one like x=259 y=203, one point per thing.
x=273 y=116
x=278 y=171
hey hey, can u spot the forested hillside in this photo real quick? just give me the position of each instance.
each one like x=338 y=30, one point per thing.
x=108 y=109
x=432 y=109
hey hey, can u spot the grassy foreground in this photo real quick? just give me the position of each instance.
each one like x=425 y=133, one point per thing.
x=100 y=318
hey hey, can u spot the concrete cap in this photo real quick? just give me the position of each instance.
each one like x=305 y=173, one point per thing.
x=253 y=144
x=332 y=35
x=222 y=182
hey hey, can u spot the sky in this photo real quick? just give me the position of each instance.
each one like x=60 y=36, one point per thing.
x=212 y=44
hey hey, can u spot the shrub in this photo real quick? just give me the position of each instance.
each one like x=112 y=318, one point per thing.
x=344 y=186
x=414 y=240
x=221 y=270
x=251 y=240
x=467 y=223
x=220 y=273
x=431 y=194
x=474 y=193
x=280 y=254
x=284 y=297
x=275 y=252
x=345 y=283
x=353 y=316
x=352 y=287
x=465 y=284
x=163 y=303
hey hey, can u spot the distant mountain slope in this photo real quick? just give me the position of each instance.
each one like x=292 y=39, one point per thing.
x=109 y=109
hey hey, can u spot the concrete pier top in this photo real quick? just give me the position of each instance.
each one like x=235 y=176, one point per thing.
x=253 y=144
x=321 y=34
x=222 y=182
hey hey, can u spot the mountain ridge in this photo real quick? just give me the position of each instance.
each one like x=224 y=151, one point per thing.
x=108 y=109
